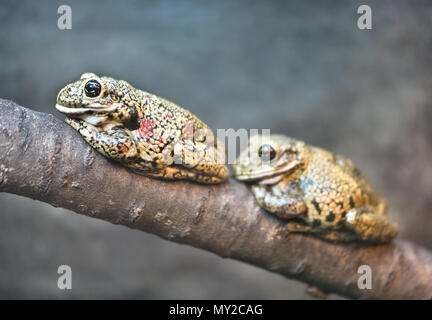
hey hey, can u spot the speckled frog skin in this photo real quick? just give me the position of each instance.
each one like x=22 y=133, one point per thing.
x=144 y=132
x=321 y=193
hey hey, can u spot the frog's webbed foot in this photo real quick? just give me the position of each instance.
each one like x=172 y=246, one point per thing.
x=114 y=143
x=370 y=226
x=284 y=207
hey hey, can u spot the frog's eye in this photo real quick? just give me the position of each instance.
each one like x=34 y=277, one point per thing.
x=267 y=153
x=92 y=88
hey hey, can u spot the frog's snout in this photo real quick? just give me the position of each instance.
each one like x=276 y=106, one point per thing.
x=68 y=97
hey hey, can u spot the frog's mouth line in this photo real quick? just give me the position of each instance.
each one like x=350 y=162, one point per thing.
x=267 y=177
x=76 y=112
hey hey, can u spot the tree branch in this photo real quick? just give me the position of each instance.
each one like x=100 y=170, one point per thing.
x=43 y=158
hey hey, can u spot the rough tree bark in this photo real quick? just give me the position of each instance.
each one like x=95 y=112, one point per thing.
x=41 y=157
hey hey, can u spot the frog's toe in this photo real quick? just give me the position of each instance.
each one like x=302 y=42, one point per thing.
x=316 y=292
x=68 y=120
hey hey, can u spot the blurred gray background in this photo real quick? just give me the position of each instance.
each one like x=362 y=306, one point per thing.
x=300 y=68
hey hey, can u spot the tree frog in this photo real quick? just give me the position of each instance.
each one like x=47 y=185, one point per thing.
x=316 y=191
x=144 y=132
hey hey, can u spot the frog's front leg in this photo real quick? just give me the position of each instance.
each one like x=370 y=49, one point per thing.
x=370 y=226
x=283 y=206
x=115 y=143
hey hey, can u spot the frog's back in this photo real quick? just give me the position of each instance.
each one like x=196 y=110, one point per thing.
x=160 y=108
x=333 y=186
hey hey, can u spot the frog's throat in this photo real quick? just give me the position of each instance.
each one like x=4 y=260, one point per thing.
x=76 y=112
x=268 y=177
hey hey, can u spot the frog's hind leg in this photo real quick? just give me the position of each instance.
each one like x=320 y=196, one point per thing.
x=179 y=173
x=284 y=206
x=327 y=235
x=196 y=162
x=370 y=226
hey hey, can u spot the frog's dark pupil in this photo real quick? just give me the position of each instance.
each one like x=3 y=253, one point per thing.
x=267 y=152
x=92 y=88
